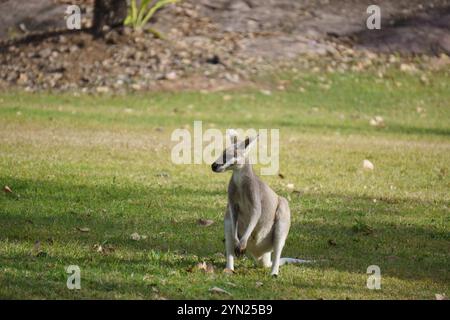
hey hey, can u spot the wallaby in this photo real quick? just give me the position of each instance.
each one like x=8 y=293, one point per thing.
x=256 y=218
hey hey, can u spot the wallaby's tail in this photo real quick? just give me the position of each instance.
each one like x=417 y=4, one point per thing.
x=293 y=260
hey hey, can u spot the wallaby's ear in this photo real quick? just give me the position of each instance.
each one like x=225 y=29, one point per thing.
x=249 y=142
x=233 y=135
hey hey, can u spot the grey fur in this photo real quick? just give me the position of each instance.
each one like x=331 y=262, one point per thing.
x=257 y=220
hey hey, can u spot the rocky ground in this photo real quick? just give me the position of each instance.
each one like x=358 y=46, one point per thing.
x=217 y=44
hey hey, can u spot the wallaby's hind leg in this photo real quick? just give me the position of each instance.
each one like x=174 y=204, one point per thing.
x=280 y=232
x=265 y=260
x=229 y=240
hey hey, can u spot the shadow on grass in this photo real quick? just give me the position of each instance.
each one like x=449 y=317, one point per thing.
x=169 y=218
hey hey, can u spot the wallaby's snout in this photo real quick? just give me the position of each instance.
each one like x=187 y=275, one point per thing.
x=215 y=167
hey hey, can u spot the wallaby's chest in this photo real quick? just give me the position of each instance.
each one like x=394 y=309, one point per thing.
x=242 y=198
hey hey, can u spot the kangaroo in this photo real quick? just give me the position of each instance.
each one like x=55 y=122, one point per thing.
x=257 y=220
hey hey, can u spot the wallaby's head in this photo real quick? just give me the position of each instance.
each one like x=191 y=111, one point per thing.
x=235 y=155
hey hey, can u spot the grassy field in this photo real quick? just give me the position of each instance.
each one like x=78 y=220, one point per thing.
x=89 y=171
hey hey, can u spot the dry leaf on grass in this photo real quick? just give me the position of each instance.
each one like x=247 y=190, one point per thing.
x=259 y=284
x=202 y=266
x=136 y=236
x=7 y=189
x=205 y=222
x=231 y=284
x=219 y=291
x=368 y=165
x=377 y=121
x=83 y=229
x=228 y=271
x=440 y=296
x=104 y=249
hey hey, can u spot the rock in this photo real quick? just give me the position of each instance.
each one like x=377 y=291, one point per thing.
x=102 y=89
x=45 y=53
x=171 y=75
x=408 y=68
x=73 y=48
x=12 y=76
x=23 y=79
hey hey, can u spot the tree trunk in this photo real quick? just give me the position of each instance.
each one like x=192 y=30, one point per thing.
x=109 y=13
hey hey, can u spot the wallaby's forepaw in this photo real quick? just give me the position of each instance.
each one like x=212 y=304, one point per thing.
x=239 y=250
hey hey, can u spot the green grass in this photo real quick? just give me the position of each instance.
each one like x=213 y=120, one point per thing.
x=103 y=162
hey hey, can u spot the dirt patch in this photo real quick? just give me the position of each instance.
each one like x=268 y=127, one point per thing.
x=209 y=44
x=426 y=32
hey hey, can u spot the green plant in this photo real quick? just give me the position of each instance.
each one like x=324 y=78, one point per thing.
x=138 y=16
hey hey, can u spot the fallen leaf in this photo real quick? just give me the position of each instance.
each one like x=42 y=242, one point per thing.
x=205 y=222
x=377 y=121
x=420 y=110
x=84 y=229
x=368 y=165
x=290 y=186
x=231 y=284
x=135 y=236
x=259 y=284
x=228 y=271
x=281 y=175
x=104 y=249
x=202 y=266
x=440 y=296
x=7 y=189
x=219 y=290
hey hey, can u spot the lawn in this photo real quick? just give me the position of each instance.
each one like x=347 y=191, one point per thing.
x=88 y=171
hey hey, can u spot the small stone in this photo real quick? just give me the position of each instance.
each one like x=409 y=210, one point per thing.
x=171 y=75
x=45 y=53
x=102 y=89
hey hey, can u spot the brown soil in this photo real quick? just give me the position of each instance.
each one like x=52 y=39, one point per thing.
x=214 y=44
